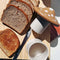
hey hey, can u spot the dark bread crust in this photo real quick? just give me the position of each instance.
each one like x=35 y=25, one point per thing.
x=22 y=12
x=9 y=42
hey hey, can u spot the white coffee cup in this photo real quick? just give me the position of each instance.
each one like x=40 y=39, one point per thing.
x=39 y=25
x=37 y=50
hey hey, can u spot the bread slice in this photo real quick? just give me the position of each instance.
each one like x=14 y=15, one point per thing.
x=24 y=6
x=29 y=2
x=9 y=42
x=15 y=18
x=35 y=2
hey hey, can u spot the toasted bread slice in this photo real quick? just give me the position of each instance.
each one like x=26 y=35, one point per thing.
x=9 y=42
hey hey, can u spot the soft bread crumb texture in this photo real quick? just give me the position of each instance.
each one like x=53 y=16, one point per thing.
x=14 y=18
x=29 y=2
x=24 y=7
x=9 y=42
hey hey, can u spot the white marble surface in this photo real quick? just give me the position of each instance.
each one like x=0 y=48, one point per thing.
x=55 y=49
x=55 y=44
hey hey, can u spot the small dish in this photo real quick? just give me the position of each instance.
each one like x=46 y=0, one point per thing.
x=37 y=50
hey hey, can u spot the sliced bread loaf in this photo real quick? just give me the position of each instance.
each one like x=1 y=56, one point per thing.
x=24 y=6
x=9 y=42
x=15 y=18
x=29 y=2
x=35 y=2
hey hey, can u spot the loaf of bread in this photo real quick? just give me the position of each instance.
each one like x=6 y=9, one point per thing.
x=15 y=18
x=32 y=2
x=29 y=2
x=24 y=6
x=35 y=2
x=9 y=42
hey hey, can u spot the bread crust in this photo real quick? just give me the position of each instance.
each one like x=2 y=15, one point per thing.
x=32 y=3
x=26 y=4
x=23 y=2
x=29 y=4
x=8 y=41
x=22 y=12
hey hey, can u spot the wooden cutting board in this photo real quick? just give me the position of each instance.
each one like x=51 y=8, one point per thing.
x=45 y=37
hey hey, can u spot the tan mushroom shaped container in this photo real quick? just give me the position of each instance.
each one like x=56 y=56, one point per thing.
x=47 y=13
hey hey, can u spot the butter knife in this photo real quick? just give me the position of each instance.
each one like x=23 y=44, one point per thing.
x=24 y=41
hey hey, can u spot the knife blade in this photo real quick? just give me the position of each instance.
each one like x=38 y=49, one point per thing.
x=24 y=41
